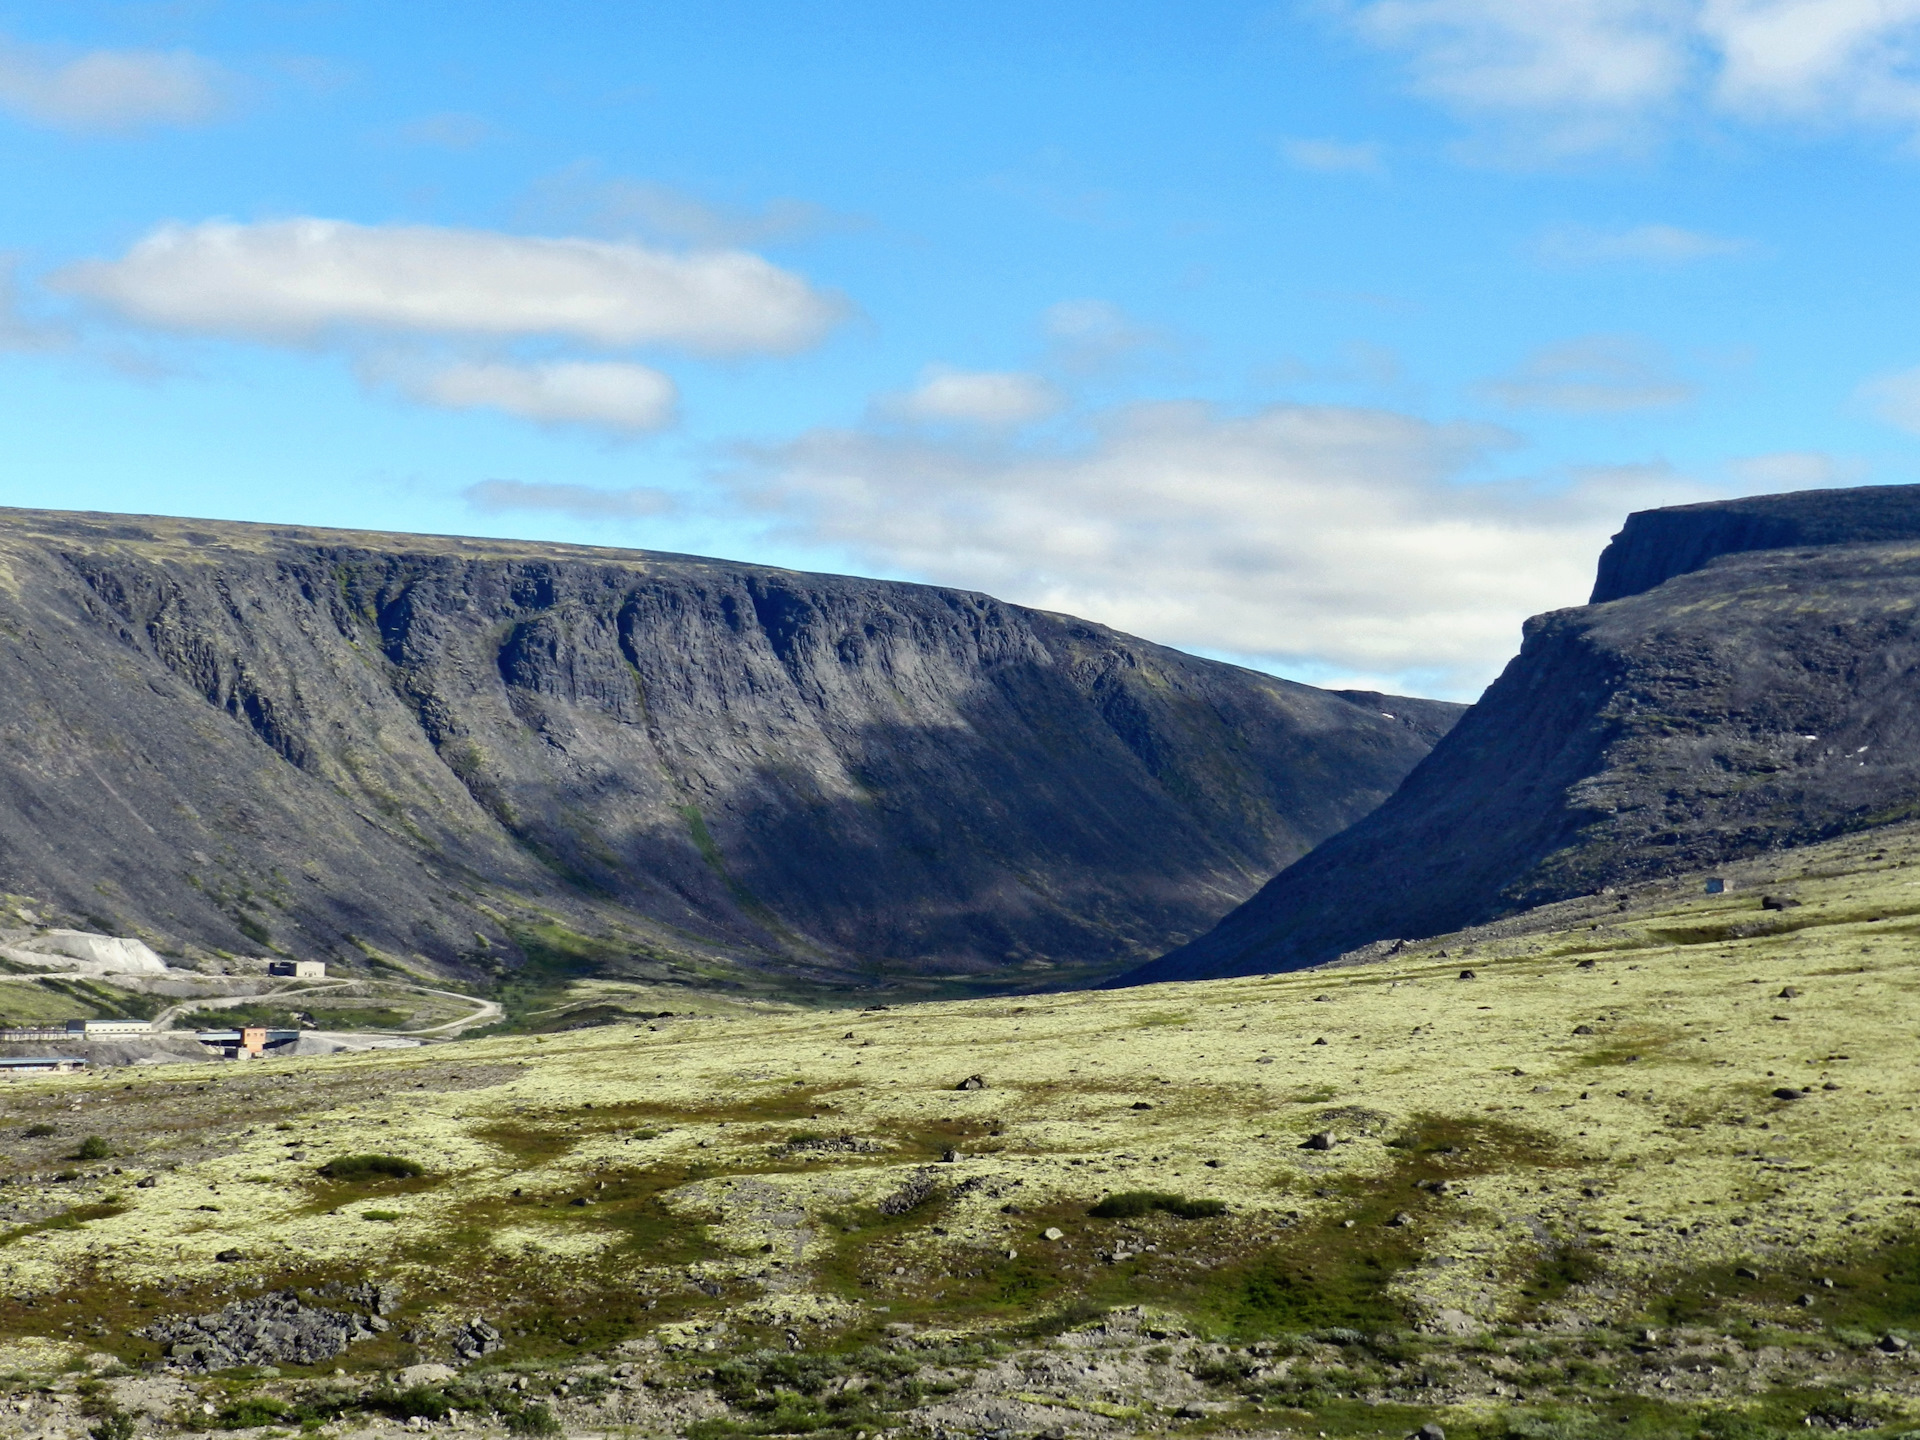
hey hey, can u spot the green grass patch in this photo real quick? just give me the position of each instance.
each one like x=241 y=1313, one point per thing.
x=67 y=1220
x=1131 y=1204
x=372 y=1167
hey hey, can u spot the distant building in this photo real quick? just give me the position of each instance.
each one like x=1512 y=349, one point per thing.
x=107 y=1029
x=40 y=1064
x=1716 y=886
x=298 y=969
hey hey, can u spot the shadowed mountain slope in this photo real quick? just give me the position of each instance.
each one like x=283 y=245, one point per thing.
x=1767 y=699
x=438 y=752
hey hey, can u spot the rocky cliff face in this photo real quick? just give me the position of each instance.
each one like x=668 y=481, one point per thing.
x=1656 y=545
x=422 y=752
x=1758 y=699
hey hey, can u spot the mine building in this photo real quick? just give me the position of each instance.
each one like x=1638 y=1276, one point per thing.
x=298 y=969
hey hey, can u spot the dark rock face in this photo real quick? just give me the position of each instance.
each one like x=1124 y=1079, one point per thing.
x=419 y=751
x=1656 y=545
x=1769 y=700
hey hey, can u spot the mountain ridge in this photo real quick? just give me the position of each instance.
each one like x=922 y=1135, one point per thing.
x=458 y=755
x=1759 y=698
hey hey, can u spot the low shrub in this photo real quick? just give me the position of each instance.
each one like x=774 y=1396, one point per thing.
x=1131 y=1204
x=94 y=1147
x=41 y=1131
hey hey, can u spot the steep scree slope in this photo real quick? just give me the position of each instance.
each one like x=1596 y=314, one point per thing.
x=1769 y=700
x=418 y=750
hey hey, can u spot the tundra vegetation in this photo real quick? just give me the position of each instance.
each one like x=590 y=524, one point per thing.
x=1650 y=1171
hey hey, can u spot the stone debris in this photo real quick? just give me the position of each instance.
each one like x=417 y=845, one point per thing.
x=972 y=1082
x=915 y=1193
x=829 y=1145
x=265 y=1330
x=475 y=1339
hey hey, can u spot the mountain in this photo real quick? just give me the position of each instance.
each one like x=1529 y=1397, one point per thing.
x=1750 y=681
x=459 y=756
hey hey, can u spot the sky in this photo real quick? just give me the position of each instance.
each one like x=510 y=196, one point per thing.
x=1332 y=338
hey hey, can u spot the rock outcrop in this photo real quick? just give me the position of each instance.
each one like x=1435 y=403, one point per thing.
x=463 y=756
x=1756 y=699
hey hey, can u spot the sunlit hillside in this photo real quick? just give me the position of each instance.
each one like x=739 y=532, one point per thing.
x=1645 y=1164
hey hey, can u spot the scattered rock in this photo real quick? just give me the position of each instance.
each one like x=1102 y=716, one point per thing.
x=1212 y=1164
x=1583 y=1030
x=1790 y=993
x=475 y=1339
x=430 y=1374
x=1746 y=1272
x=1053 y=1232
x=230 y=1257
x=1585 y=965
x=1453 y=1322
x=1141 y=1105
x=1468 y=975
x=1400 y=1218
x=146 y=1182
x=1319 y=1140
x=1778 y=902
x=1428 y=1431
x=915 y=1193
x=972 y=1082
x=1893 y=1344
x=1321 y=1041
x=266 y=1330
x=842 y=1144
x=1787 y=1092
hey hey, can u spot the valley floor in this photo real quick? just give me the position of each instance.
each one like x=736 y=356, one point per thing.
x=1650 y=1170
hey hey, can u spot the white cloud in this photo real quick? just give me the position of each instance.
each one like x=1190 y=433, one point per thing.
x=1594 y=375
x=1334 y=156
x=1310 y=537
x=1574 y=76
x=1583 y=72
x=1645 y=244
x=1817 y=58
x=581 y=502
x=108 y=90
x=299 y=280
x=992 y=398
x=614 y=395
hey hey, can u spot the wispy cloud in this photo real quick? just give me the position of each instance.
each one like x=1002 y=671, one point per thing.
x=994 y=399
x=578 y=198
x=448 y=130
x=1796 y=470
x=579 y=502
x=1652 y=244
x=107 y=91
x=1323 y=538
x=1335 y=157
x=611 y=395
x=1895 y=399
x=1578 y=76
x=1093 y=335
x=1594 y=375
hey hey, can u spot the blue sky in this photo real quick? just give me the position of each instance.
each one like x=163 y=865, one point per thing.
x=1331 y=337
